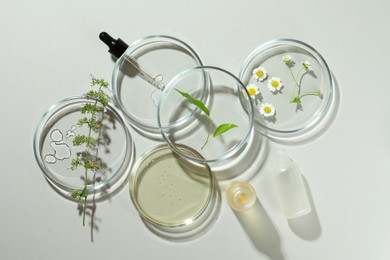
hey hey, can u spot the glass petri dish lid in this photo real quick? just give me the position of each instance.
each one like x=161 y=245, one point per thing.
x=174 y=196
x=141 y=73
x=292 y=88
x=54 y=150
x=208 y=109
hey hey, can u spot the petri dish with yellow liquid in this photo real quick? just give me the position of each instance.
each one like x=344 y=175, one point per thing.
x=172 y=195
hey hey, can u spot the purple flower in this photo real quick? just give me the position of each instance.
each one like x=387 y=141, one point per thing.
x=98 y=118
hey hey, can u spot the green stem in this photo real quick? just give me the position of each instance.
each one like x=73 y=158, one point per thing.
x=86 y=161
x=85 y=199
x=208 y=134
x=295 y=80
x=307 y=93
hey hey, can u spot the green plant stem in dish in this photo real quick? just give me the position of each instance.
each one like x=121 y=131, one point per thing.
x=295 y=78
x=94 y=124
x=305 y=67
x=221 y=129
x=208 y=133
x=297 y=99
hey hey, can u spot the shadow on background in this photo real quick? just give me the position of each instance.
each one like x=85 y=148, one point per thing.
x=307 y=227
x=261 y=231
x=244 y=166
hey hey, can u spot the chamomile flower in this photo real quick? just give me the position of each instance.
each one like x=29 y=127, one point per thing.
x=287 y=59
x=275 y=84
x=267 y=110
x=306 y=65
x=253 y=90
x=259 y=74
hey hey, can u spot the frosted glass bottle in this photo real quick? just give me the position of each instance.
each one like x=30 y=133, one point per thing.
x=290 y=187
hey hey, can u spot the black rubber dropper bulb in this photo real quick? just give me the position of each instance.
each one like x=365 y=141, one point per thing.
x=116 y=47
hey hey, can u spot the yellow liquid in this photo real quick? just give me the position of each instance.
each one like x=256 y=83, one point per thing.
x=170 y=194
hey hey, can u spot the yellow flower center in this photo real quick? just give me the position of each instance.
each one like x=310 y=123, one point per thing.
x=275 y=83
x=259 y=73
x=243 y=198
x=267 y=109
x=252 y=91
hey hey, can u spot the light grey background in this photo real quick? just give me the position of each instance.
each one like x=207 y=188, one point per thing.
x=48 y=48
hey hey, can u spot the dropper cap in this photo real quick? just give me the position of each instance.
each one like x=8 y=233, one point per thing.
x=116 y=47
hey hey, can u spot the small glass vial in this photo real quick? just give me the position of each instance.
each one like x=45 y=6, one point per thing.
x=290 y=187
x=240 y=195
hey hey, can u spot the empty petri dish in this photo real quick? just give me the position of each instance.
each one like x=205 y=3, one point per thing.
x=292 y=88
x=140 y=74
x=173 y=195
x=54 y=149
x=208 y=109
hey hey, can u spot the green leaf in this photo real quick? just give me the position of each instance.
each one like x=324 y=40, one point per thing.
x=223 y=129
x=296 y=100
x=194 y=101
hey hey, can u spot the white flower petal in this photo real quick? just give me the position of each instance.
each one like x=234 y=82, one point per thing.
x=259 y=74
x=267 y=110
x=271 y=85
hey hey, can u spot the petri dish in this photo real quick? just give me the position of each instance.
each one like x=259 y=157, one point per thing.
x=141 y=73
x=173 y=195
x=54 y=149
x=293 y=88
x=225 y=105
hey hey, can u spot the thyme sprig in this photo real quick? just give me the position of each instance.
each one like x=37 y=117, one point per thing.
x=93 y=122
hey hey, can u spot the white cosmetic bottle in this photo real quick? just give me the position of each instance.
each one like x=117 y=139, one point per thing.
x=290 y=187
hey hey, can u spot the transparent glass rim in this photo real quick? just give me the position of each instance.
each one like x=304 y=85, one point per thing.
x=114 y=182
x=319 y=115
x=184 y=225
x=230 y=152
x=133 y=47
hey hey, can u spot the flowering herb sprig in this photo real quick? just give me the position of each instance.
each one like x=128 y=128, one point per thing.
x=93 y=122
x=306 y=66
x=221 y=129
